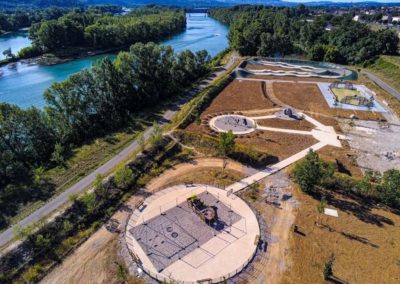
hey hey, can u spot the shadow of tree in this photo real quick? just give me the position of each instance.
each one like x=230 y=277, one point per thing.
x=359 y=239
x=353 y=205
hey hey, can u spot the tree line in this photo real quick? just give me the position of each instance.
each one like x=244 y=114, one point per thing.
x=313 y=172
x=95 y=29
x=91 y=103
x=22 y=18
x=271 y=31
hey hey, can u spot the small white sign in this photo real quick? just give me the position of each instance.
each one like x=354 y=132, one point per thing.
x=331 y=212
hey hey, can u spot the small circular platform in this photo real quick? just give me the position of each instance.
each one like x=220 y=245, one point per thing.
x=239 y=124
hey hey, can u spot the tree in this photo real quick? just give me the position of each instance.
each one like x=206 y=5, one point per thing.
x=58 y=155
x=226 y=143
x=8 y=53
x=321 y=208
x=123 y=177
x=156 y=135
x=390 y=188
x=141 y=141
x=311 y=171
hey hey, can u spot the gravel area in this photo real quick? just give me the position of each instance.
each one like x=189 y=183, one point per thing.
x=376 y=147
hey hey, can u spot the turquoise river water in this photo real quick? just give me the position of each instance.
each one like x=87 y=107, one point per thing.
x=25 y=84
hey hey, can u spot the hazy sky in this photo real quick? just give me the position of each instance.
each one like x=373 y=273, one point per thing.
x=382 y=1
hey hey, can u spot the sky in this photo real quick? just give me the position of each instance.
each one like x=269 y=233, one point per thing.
x=346 y=1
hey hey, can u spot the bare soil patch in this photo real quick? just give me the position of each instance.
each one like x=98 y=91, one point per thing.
x=308 y=97
x=286 y=124
x=365 y=242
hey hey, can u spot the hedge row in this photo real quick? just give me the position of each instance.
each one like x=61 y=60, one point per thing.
x=203 y=101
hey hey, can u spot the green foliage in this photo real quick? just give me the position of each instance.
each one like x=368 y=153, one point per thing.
x=8 y=53
x=328 y=267
x=390 y=188
x=98 y=182
x=311 y=172
x=31 y=275
x=21 y=18
x=123 y=177
x=57 y=157
x=141 y=141
x=156 y=135
x=226 y=143
x=21 y=233
x=269 y=31
x=321 y=205
x=122 y=272
x=97 y=29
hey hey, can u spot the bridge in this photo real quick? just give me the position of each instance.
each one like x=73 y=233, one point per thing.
x=196 y=10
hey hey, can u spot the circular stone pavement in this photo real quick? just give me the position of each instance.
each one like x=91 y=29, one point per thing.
x=239 y=124
x=173 y=244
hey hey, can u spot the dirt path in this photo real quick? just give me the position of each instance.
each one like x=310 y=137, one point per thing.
x=94 y=261
x=185 y=168
x=280 y=233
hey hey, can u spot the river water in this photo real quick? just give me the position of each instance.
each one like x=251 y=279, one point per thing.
x=25 y=84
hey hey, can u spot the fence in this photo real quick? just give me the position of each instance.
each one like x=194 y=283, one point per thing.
x=164 y=278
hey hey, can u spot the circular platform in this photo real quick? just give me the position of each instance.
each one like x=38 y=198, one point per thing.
x=174 y=244
x=239 y=124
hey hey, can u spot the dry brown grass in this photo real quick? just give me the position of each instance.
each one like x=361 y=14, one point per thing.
x=342 y=158
x=239 y=96
x=364 y=241
x=286 y=124
x=308 y=97
x=281 y=145
x=212 y=176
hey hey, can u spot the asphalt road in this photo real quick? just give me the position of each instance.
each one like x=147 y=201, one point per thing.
x=77 y=188
x=382 y=84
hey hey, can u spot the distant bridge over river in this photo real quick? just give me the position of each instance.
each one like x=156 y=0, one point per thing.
x=196 y=10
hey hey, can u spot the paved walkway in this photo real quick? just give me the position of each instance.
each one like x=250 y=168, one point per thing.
x=273 y=169
x=326 y=135
x=84 y=183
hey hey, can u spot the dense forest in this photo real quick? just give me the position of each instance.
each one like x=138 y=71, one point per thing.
x=98 y=29
x=23 y=18
x=267 y=31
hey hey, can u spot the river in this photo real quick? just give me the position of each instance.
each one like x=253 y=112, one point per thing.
x=25 y=84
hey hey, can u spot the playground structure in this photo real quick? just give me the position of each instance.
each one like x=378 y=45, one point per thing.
x=183 y=234
x=346 y=93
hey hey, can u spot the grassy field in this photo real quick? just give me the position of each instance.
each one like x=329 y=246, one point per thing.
x=388 y=69
x=364 y=240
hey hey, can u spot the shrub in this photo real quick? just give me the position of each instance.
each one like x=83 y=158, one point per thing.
x=123 y=177
x=29 y=52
